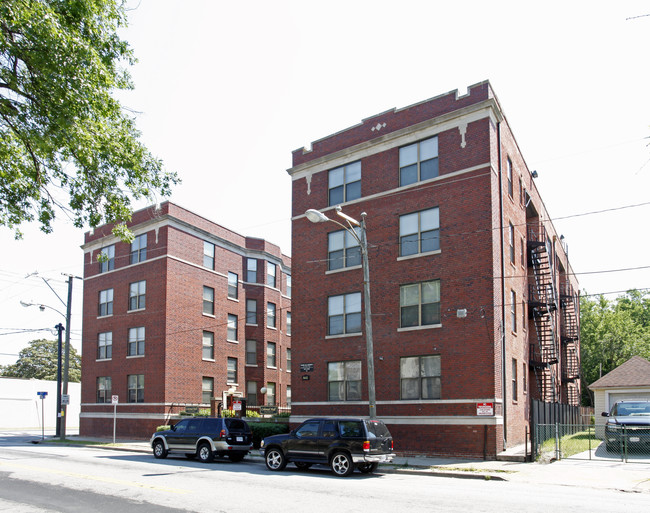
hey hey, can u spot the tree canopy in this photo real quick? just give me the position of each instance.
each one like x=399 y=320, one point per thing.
x=611 y=332
x=66 y=144
x=39 y=360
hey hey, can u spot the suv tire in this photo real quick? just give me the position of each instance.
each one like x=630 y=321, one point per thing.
x=341 y=464
x=274 y=459
x=159 y=450
x=204 y=453
x=367 y=468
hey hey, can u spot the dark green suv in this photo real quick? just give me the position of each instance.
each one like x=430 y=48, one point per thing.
x=341 y=443
x=205 y=438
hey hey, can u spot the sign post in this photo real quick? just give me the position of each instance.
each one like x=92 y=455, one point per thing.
x=115 y=400
x=42 y=395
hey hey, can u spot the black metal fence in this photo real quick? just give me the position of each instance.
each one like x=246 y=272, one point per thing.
x=545 y=418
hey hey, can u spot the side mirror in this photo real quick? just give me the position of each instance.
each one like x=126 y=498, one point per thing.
x=604 y=414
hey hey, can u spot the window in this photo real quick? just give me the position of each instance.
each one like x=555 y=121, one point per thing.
x=105 y=346
x=270 y=315
x=511 y=242
x=418 y=161
x=251 y=393
x=343 y=249
x=523 y=377
x=232 y=327
x=288 y=285
x=107 y=259
x=270 y=394
x=509 y=176
x=105 y=302
x=207 y=390
x=420 y=304
x=135 y=388
x=208 y=345
x=208 y=255
x=288 y=323
x=523 y=315
x=420 y=377
x=137 y=295
x=251 y=352
x=104 y=389
x=523 y=253
x=344 y=381
x=344 y=183
x=513 y=310
x=232 y=370
x=419 y=232
x=136 y=342
x=251 y=270
x=270 y=354
x=288 y=360
x=344 y=314
x=514 y=379
x=208 y=300
x=233 y=286
x=139 y=249
x=251 y=311
x=271 y=269
x=288 y=395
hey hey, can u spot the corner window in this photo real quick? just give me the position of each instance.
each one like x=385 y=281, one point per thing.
x=251 y=311
x=419 y=232
x=208 y=300
x=233 y=286
x=137 y=295
x=251 y=393
x=232 y=370
x=104 y=389
x=288 y=285
x=105 y=346
x=107 y=259
x=343 y=249
x=344 y=381
x=289 y=323
x=232 y=327
x=207 y=390
x=418 y=161
x=251 y=270
x=288 y=396
x=251 y=352
x=271 y=269
x=208 y=255
x=208 y=345
x=270 y=394
x=139 y=249
x=344 y=314
x=136 y=342
x=105 y=302
x=420 y=377
x=420 y=304
x=345 y=183
x=271 y=360
x=288 y=360
x=135 y=388
x=270 y=315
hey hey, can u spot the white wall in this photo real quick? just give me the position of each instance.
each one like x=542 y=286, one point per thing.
x=21 y=406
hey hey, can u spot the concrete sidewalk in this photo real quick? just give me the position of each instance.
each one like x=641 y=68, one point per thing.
x=598 y=473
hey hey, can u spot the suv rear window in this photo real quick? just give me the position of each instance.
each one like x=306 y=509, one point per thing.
x=378 y=429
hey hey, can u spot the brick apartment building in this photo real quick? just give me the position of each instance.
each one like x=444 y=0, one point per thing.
x=187 y=312
x=474 y=303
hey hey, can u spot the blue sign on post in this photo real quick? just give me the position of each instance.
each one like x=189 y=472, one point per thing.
x=41 y=394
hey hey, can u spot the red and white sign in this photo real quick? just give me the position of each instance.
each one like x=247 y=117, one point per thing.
x=236 y=405
x=484 y=408
x=115 y=399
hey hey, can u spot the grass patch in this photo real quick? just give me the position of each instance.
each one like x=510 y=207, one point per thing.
x=571 y=444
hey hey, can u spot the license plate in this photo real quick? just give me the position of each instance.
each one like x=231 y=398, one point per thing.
x=635 y=439
x=240 y=438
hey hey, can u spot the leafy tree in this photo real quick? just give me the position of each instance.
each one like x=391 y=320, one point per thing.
x=611 y=332
x=65 y=141
x=39 y=360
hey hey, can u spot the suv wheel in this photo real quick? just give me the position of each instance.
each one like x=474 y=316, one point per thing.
x=205 y=453
x=274 y=459
x=367 y=468
x=159 y=450
x=341 y=464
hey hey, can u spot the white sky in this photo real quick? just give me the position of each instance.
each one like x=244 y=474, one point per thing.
x=226 y=90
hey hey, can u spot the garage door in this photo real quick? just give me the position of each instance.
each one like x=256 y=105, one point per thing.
x=627 y=396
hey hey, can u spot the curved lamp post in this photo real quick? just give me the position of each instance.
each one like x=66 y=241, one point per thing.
x=316 y=216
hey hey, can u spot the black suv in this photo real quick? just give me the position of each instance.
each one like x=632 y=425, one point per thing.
x=628 y=426
x=342 y=443
x=205 y=438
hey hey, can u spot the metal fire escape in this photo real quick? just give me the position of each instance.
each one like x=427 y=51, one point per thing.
x=544 y=353
x=569 y=335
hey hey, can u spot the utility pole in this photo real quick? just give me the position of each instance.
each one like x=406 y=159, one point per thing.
x=66 y=368
x=59 y=327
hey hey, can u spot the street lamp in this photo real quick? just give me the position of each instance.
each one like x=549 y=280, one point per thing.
x=316 y=216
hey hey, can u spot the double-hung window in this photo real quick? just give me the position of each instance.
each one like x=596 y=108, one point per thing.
x=270 y=315
x=511 y=242
x=251 y=352
x=344 y=314
x=139 y=249
x=420 y=304
x=270 y=394
x=105 y=346
x=136 y=341
x=418 y=161
x=343 y=249
x=345 y=183
x=251 y=311
x=271 y=270
x=344 y=381
x=233 y=286
x=208 y=345
x=420 y=377
x=513 y=310
x=288 y=285
x=251 y=393
x=232 y=370
x=135 y=384
x=105 y=302
x=137 y=295
x=232 y=327
x=107 y=259
x=288 y=323
x=288 y=360
x=208 y=255
x=271 y=359
x=104 y=389
x=251 y=270
x=509 y=176
x=419 y=232
x=514 y=379
x=207 y=390
x=208 y=300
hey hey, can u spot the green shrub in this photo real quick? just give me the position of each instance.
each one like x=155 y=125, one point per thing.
x=163 y=428
x=263 y=429
x=282 y=414
x=253 y=414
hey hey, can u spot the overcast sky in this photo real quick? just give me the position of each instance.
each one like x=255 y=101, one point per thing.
x=224 y=92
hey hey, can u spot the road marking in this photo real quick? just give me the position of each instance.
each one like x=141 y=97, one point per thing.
x=97 y=478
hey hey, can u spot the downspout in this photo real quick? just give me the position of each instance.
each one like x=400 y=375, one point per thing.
x=503 y=294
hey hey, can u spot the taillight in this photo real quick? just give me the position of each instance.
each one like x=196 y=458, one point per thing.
x=391 y=445
x=222 y=434
x=366 y=445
